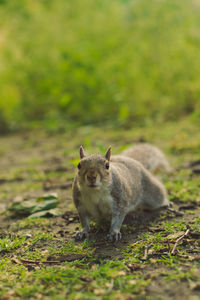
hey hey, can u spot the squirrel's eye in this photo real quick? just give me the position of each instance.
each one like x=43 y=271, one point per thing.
x=79 y=166
x=107 y=166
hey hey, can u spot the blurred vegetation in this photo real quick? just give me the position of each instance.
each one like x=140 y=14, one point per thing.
x=85 y=61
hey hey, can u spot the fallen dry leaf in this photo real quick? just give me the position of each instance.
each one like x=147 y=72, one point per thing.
x=176 y=235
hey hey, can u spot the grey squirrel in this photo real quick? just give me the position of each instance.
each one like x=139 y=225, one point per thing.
x=108 y=188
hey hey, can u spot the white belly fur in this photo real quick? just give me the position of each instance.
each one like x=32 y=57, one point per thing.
x=97 y=203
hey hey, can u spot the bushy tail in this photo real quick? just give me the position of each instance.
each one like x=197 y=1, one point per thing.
x=152 y=158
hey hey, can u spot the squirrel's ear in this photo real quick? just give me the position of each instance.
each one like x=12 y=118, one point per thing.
x=82 y=152
x=108 y=154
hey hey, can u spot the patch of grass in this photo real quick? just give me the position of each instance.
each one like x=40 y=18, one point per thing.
x=30 y=223
x=184 y=188
x=68 y=280
x=10 y=243
x=108 y=271
x=71 y=248
x=179 y=275
x=42 y=236
x=196 y=224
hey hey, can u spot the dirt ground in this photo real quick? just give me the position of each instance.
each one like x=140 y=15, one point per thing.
x=32 y=164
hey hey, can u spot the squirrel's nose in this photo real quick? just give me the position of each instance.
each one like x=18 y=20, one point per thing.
x=91 y=178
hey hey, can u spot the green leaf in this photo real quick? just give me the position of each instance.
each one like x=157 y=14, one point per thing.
x=45 y=213
x=23 y=208
x=29 y=207
x=52 y=196
x=45 y=205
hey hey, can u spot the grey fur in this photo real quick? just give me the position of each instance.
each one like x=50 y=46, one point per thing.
x=152 y=158
x=110 y=194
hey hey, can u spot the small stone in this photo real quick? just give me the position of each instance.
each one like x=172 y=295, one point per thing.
x=28 y=235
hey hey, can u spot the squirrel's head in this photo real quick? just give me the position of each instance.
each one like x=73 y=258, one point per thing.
x=93 y=170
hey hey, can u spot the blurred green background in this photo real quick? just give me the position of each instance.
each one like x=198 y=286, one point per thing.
x=97 y=62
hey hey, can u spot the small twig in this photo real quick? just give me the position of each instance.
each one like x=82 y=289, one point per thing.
x=110 y=288
x=136 y=243
x=145 y=256
x=168 y=244
x=178 y=240
x=37 y=262
x=197 y=257
x=15 y=260
x=182 y=255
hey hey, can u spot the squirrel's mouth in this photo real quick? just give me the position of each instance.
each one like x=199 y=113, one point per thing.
x=93 y=186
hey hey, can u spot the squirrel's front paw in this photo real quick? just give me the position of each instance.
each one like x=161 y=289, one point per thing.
x=114 y=236
x=81 y=235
